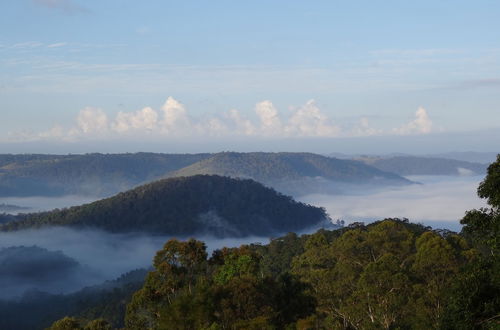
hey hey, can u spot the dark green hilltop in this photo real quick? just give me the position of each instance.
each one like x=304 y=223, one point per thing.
x=200 y=204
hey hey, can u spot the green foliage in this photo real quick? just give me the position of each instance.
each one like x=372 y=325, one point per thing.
x=386 y=275
x=71 y=323
x=66 y=323
x=490 y=187
x=483 y=226
x=473 y=302
x=187 y=291
x=200 y=204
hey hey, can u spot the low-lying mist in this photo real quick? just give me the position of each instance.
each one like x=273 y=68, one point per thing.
x=39 y=203
x=438 y=201
x=101 y=256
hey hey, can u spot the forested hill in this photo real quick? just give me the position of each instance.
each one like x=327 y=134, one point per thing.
x=411 y=165
x=89 y=174
x=104 y=175
x=186 y=206
x=271 y=167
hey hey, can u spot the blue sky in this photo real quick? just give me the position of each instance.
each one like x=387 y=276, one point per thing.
x=88 y=72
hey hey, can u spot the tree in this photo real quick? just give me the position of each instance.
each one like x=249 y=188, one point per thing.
x=66 y=323
x=474 y=301
x=435 y=266
x=177 y=268
x=483 y=226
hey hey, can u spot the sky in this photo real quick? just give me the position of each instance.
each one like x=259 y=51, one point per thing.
x=194 y=76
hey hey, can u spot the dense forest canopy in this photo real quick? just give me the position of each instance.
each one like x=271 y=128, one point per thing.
x=390 y=274
x=184 y=206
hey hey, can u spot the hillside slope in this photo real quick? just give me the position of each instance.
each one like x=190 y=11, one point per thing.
x=185 y=206
x=412 y=165
x=292 y=173
x=89 y=174
x=266 y=167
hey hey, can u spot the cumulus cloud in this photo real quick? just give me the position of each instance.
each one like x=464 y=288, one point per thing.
x=364 y=129
x=270 y=122
x=242 y=124
x=422 y=124
x=173 y=120
x=92 y=120
x=308 y=120
x=145 y=119
x=175 y=117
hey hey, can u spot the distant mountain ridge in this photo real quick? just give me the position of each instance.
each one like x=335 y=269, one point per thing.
x=107 y=174
x=412 y=165
x=185 y=206
x=284 y=170
x=89 y=174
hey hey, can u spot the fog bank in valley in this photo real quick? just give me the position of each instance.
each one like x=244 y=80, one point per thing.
x=438 y=201
x=101 y=256
x=38 y=203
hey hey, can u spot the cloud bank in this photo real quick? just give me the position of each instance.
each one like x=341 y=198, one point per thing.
x=101 y=255
x=174 y=120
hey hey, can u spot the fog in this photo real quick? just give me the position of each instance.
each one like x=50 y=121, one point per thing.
x=438 y=201
x=36 y=204
x=102 y=256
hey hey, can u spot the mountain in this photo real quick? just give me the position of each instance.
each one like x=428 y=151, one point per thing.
x=103 y=175
x=27 y=267
x=469 y=156
x=89 y=174
x=291 y=173
x=412 y=165
x=185 y=206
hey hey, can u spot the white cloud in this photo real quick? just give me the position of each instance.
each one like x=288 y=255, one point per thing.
x=308 y=120
x=145 y=119
x=243 y=125
x=364 y=129
x=422 y=124
x=92 y=120
x=55 y=132
x=175 y=118
x=215 y=127
x=27 y=45
x=57 y=45
x=270 y=122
